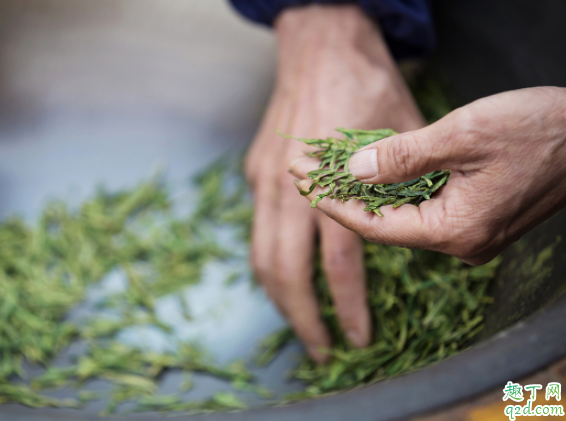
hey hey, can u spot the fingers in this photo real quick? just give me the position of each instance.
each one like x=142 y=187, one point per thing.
x=395 y=159
x=342 y=255
x=263 y=236
x=293 y=289
x=263 y=166
x=406 y=226
x=343 y=262
x=282 y=257
x=402 y=157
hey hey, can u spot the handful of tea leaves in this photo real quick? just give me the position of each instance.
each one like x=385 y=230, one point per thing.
x=333 y=174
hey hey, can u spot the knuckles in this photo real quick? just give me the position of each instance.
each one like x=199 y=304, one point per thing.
x=466 y=127
x=284 y=277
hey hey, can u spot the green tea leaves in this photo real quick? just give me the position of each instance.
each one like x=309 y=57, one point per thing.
x=333 y=174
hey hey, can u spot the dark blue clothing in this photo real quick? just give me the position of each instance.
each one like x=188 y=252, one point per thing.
x=406 y=24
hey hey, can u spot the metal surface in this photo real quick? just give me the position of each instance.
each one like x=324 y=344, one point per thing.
x=107 y=90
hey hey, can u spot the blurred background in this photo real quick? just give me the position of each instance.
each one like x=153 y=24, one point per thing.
x=108 y=91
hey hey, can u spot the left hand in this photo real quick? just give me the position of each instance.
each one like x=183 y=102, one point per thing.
x=334 y=69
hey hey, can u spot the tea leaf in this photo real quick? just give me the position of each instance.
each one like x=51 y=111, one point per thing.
x=333 y=173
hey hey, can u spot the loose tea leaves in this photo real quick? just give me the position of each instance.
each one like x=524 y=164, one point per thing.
x=47 y=270
x=333 y=174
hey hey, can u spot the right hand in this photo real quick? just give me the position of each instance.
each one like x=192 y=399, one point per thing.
x=334 y=71
x=507 y=154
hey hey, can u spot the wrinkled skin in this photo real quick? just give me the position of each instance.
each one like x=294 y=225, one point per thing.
x=507 y=154
x=334 y=70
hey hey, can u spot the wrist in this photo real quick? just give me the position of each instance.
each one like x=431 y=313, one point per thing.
x=320 y=22
x=337 y=55
x=317 y=32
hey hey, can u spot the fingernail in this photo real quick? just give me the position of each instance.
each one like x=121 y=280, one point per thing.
x=363 y=164
x=355 y=338
x=295 y=162
x=303 y=185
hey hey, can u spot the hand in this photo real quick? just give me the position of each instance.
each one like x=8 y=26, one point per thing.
x=334 y=70
x=507 y=154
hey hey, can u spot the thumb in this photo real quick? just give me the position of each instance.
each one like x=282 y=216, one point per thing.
x=405 y=156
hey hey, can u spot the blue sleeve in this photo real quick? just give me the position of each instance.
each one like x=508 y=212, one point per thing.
x=406 y=24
